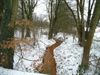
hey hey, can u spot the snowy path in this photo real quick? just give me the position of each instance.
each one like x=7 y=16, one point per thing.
x=68 y=57
x=49 y=64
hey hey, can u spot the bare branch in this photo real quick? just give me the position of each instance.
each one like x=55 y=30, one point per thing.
x=71 y=12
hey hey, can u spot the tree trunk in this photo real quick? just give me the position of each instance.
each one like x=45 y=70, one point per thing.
x=7 y=33
x=27 y=32
x=50 y=18
x=1 y=10
x=53 y=18
x=81 y=35
x=94 y=22
x=23 y=17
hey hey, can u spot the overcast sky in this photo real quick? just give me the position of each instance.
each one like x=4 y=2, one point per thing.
x=40 y=10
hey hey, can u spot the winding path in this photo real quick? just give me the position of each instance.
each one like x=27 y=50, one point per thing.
x=48 y=65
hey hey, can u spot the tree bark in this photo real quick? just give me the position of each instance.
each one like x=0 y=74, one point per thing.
x=22 y=13
x=1 y=10
x=94 y=22
x=7 y=32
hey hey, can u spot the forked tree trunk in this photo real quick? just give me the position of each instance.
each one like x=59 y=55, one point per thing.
x=94 y=22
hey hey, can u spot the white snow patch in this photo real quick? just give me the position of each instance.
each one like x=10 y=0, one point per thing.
x=68 y=57
x=14 y=72
x=30 y=57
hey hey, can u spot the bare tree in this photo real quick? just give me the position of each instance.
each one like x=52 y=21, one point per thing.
x=27 y=9
x=86 y=37
x=53 y=16
x=93 y=23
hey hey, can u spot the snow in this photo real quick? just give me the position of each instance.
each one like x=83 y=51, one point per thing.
x=31 y=57
x=68 y=56
x=14 y=72
x=97 y=36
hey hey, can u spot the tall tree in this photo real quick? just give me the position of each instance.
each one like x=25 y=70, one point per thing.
x=86 y=36
x=54 y=5
x=7 y=33
x=28 y=7
x=93 y=23
x=22 y=10
x=79 y=19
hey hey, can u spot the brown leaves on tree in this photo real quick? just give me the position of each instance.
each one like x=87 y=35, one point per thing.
x=14 y=42
x=21 y=23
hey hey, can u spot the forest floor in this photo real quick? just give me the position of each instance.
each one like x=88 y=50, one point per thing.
x=68 y=56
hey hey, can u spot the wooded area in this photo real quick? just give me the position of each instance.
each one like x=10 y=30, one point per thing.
x=19 y=15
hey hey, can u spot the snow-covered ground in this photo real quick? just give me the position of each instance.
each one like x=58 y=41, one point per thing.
x=68 y=56
x=31 y=56
x=14 y=72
